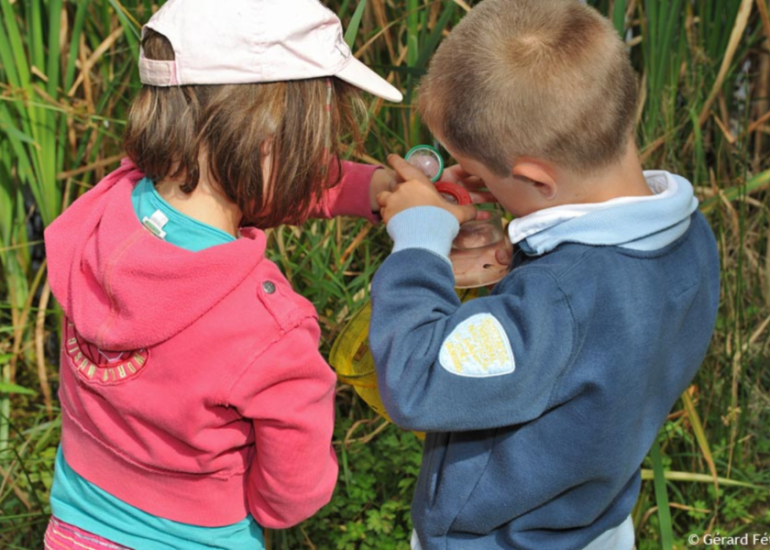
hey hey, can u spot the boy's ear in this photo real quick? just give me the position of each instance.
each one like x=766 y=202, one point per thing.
x=538 y=175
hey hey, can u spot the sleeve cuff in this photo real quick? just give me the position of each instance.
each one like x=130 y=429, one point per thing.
x=427 y=227
x=351 y=197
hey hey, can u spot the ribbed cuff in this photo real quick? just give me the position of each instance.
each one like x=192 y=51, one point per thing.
x=352 y=197
x=428 y=227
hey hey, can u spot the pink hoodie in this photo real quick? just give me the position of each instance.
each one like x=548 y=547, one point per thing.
x=191 y=382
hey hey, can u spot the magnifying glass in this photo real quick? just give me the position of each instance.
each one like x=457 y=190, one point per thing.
x=428 y=160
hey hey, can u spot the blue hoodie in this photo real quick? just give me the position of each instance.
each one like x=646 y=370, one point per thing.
x=542 y=399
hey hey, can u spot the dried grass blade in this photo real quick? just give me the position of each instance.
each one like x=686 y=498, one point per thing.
x=93 y=166
x=45 y=386
x=762 y=6
x=648 y=475
x=735 y=39
x=91 y=61
x=462 y=4
x=700 y=436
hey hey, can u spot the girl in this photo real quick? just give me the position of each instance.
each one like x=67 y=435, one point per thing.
x=196 y=409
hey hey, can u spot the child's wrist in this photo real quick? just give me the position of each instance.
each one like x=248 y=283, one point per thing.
x=424 y=226
x=383 y=179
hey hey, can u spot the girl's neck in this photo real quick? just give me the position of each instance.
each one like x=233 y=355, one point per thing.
x=207 y=203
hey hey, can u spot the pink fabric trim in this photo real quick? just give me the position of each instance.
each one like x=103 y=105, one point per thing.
x=63 y=536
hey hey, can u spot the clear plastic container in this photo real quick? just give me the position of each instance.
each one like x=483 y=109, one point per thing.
x=473 y=252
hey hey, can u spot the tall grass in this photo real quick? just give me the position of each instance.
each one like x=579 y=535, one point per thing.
x=67 y=71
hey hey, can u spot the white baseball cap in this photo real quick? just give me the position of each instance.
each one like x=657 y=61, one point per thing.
x=247 y=41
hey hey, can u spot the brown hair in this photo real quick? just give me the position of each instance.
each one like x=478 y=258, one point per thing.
x=548 y=79
x=236 y=125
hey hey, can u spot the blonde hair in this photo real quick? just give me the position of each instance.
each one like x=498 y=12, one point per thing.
x=168 y=128
x=548 y=79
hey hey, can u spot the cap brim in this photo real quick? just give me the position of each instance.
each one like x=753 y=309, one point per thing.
x=356 y=73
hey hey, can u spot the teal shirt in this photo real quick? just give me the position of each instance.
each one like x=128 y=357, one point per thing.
x=180 y=230
x=78 y=502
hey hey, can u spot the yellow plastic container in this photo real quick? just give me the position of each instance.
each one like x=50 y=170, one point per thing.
x=352 y=358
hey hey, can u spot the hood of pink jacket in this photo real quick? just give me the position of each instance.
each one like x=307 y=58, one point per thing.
x=123 y=287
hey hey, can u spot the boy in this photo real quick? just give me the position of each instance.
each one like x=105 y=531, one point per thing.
x=542 y=399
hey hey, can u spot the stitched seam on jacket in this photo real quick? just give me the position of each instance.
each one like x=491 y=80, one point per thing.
x=152 y=469
x=259 y=354
x=573 y=351
x=478 y=481
x=111 y=265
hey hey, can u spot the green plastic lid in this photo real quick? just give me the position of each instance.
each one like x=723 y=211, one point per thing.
x=428 y=160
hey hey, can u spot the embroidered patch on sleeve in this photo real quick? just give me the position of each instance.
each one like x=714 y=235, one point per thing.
x=478 y=347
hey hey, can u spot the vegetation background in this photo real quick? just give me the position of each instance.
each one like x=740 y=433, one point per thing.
x=67 y=73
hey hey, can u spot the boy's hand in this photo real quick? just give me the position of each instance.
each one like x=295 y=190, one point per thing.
x=417 y=190
x=475 y=185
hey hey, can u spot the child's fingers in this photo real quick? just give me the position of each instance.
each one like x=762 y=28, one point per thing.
x=476 y=187
x=504 y=256
x=482 y=197
x=383 y=197
x=463 y=213
x=455 y=174
x=405 y=170
x=473 y=183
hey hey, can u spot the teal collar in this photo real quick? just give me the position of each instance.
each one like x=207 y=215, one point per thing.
x=169 y=224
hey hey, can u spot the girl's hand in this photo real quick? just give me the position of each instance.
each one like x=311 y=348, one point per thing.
x=475 y=185
x=417 y=190
x=383 y=179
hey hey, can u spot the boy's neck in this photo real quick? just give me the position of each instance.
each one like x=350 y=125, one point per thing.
x=622 y=179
